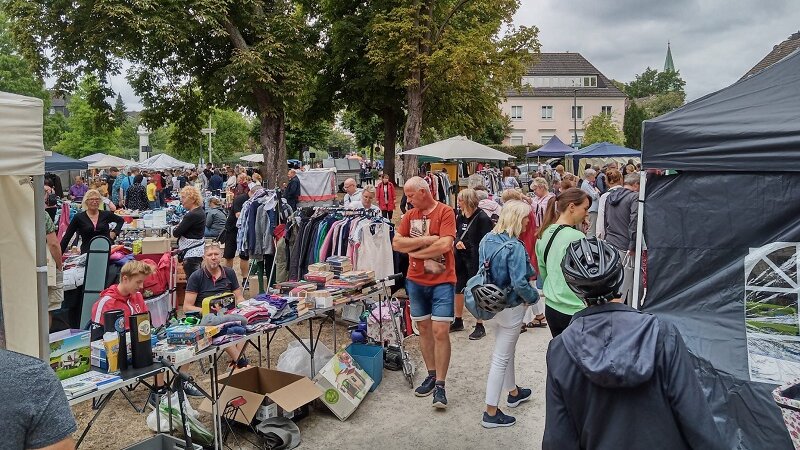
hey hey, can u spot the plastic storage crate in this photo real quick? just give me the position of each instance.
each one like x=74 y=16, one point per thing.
x=370 y=358
x=162 y=442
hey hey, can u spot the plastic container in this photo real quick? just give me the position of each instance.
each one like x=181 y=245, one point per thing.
x=352 y=312
x=370 y=358
x=161 y=442
x=159 y=309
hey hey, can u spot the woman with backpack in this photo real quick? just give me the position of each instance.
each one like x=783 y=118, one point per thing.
x=563 y=214
x=501 y=293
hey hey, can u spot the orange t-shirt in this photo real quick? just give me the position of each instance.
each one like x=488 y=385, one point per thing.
x=440 y=222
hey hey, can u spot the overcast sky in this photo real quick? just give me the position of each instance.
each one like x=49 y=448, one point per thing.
x=714 y=42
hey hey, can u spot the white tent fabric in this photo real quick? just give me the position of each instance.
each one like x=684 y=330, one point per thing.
x=93 y=157
x=163 y=162
x=255 y=157
x=21 y=155
x=459 y=148
x=111 y=161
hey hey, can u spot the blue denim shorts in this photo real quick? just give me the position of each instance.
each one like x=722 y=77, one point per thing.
x=431 y=302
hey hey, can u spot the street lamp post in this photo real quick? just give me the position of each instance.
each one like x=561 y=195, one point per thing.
x=575 y=118
x=209 y=131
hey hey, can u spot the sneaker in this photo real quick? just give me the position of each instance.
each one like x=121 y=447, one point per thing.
x=426 y=387
x=457 y=325
x=191 y=391
x=439 y=398
x=155 y=397
x=242 y=362
x=478 y=333
x=523 y=395
x=498 y=420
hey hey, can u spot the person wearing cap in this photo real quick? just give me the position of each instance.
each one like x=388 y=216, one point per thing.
x=618 y=377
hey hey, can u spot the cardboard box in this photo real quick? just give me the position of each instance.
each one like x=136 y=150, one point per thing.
x=260 y=386
x=70 y=353
x=158 y=245
x=343 y=384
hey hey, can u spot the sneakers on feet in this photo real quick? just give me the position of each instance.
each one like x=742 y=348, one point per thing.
x=439 y=398
x=478 y=333
x=457 y=325
x=523 y=395
x=497 y=420
x=426 y=387
x=191 y=391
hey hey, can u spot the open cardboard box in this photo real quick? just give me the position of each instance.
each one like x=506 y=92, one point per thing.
x=258 y=385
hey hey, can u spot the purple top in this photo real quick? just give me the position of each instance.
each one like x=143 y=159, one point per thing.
x=78 y=191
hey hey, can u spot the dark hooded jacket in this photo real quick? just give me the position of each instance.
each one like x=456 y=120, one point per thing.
x=618 y=378
x=622 y=211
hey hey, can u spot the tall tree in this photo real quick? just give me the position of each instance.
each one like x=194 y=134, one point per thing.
x=452 y=59
x=186 y=56
x=632 y=126
x=87 y=134
x=602 y=129
x=16 y=73
x=119 y=111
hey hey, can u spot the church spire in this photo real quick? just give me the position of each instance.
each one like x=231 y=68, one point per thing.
x=668 y=64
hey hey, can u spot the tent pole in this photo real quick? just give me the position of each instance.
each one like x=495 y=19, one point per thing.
x=41 y=268
x=637 y=272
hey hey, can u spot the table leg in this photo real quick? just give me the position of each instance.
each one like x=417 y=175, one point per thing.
x=100 y=408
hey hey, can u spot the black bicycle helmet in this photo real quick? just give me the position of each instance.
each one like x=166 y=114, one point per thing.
x=593 y=270
x=489 y=297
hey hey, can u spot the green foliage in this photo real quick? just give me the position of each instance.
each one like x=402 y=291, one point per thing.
x=632 y=127
x=602 y=129
x=119 y=111
x=88 y=132
x=232 y=132
x=16 y=73
x=367 y=132
x=494 y=131
x=663 y=103
x=653 y=82
x=55 y=126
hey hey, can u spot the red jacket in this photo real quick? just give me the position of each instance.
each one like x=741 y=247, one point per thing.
x=379 y=192
x=528 y=238
x=111 y=299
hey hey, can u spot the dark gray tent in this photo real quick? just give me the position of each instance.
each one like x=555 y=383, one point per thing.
x=723 y=252
x=57 y=162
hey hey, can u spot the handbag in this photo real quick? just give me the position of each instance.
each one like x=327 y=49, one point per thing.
x=181 y=254
x=483 y=277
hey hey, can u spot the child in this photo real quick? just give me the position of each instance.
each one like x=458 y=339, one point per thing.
x=126 y=295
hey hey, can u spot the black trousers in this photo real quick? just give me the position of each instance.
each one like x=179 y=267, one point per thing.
x=556 y=321
x=387 y=214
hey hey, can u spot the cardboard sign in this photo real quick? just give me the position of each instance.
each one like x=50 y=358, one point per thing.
x=343 y=384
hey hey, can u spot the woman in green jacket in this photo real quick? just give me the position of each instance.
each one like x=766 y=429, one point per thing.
x=563 y=213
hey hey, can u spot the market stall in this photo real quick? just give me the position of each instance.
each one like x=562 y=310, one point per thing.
x=722 y=244
x=554 y=148
x=93 y=157
x=458 y=148
x=163 y=162
x=23 y=309
x=56 y=162
x=317 y=187
x=108 y=161
x=600 y=154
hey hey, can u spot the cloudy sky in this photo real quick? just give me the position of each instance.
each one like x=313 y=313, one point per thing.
x=714 y=42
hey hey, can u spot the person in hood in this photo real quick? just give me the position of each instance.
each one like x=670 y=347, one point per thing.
x=126 y=295
x=620 y=219
x=618 y=378
x=613 y=183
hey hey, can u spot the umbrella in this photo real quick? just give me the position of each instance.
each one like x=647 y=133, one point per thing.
x=111 y=161
x=57 y=162
x=162 y=162
x=93 y=157
x=459 y=148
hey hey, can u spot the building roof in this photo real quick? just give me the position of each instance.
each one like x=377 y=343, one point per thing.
x=778 y=52
x=566 y=64
x=668 y=64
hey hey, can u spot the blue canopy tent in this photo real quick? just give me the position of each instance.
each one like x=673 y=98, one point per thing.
x=600 y=153
x=554 y=148
x=56 y=162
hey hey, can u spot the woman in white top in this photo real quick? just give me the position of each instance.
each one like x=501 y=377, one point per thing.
x=367 y=200
x=509 y=181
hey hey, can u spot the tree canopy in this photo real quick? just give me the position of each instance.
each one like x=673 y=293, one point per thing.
x=87 y=134
x=652 y=82
x=632 y=127
x=602 y=129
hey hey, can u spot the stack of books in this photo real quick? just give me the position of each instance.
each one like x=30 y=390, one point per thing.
x=358 y=276
x=339 y=264
x=319 y=267
x=319 y=277
x=86 y=382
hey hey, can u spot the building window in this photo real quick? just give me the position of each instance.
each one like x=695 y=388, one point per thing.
x=547 y=112
x=529 y=81
x=605 y=110
x=546 y=138
x=517 y=140
x=580 y=112
x=590 y=81
x=516 y=113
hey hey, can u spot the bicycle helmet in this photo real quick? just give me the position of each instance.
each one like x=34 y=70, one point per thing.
x=593 y=270
x=489 y=297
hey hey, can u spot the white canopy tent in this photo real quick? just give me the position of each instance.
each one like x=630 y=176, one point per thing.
x=255 y=157
x=459 y=148
x=23 y=313
x=111 y=161
x=93 y=157
x=163 y=162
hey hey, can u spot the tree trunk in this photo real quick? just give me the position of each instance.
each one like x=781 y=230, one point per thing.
x=413 y=129
x=389 y=141
x=273 y=147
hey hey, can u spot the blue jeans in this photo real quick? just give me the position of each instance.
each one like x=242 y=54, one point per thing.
x=431 y=302
x=154 y=205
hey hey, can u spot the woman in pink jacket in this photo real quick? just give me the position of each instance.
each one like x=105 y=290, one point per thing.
x=385 y=194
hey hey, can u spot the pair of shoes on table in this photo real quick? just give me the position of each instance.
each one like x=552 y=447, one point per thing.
x=429 y=386
x=478 y=333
